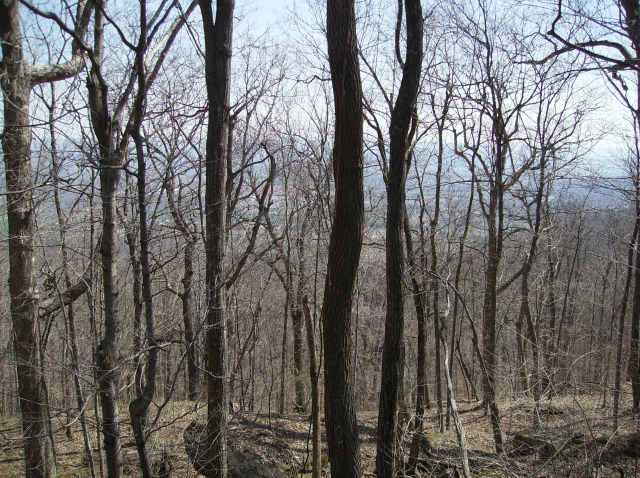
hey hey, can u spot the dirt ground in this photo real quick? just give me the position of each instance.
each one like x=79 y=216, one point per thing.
x=284 y=441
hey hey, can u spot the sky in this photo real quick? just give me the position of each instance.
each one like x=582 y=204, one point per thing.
x=265 y=12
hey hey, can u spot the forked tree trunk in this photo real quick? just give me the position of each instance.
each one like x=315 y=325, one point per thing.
x=106 y=355
x=399 y=131
x=218 y=46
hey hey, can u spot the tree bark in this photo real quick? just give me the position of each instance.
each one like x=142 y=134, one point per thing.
x=633 y=243
x=190 y=238
x=345 y=242
x=106 y=354
x=70 y=313
x=218 y=47
x=634 y=355
x=187 y=318
x=314 y=375
x=392 y=363
x=17 y=80
x=139 y=406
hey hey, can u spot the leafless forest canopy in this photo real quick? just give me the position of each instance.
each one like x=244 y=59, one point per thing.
x=176 y=182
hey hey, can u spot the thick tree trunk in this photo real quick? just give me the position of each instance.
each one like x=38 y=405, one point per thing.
x=218 y=47
x=392 y=362
x=346 y=240
x=16 y=144
x=17 y=79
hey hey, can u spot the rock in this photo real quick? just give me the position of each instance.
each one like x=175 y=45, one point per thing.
x=428 y=441
x=545 y=442
x=247 y=465
x=241 y=465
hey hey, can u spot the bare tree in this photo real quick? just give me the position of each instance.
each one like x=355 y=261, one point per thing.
x=218 y=47
x=346 y=240
x=18 y=79
x=401 y=133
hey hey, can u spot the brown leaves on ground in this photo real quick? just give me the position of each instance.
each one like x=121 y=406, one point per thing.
x=284 y=441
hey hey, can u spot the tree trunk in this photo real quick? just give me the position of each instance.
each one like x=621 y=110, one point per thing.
x=634 y=355
x=633 y=243
x=460 y=431
x=106 y=355
x=16 y=143
x=218 y=48
x=298 y=355
x=138 y=407
x=345 y=243
x=419 y=299
x=187 y=318
x=490 y=309
x=131 y=239
x=70 y=314
x=392 y=363
x=314 y=374
x=549 y=346
x=435 y=284
x=454 y=321
x=283 y=355
x=17 y=79
x=190 y=239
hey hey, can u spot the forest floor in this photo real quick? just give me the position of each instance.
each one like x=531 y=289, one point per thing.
x=591 y=449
